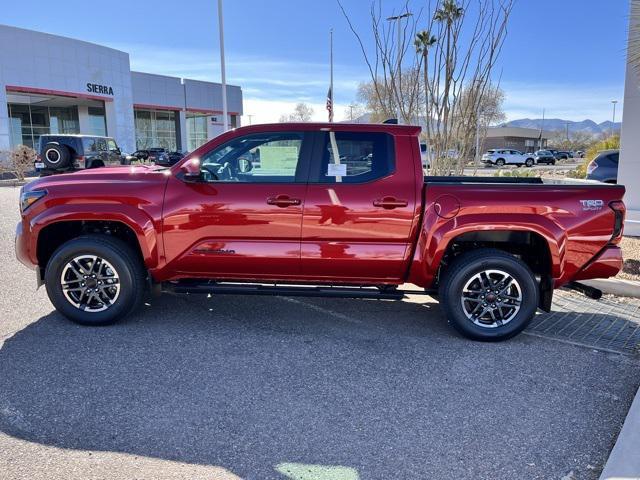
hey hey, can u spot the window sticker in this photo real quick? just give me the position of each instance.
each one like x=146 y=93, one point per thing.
x=337 y=170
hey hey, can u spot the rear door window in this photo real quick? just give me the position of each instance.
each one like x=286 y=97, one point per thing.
x=89 y=144
x=354 y=157
x=101 y=144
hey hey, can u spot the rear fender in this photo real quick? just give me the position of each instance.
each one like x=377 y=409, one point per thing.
x=434 y=242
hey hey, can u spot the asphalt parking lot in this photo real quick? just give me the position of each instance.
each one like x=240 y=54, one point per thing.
x=281 y=388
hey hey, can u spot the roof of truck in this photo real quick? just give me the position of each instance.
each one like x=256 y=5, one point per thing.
x=326 y=126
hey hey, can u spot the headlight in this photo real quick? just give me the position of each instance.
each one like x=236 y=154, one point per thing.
x=29 y=198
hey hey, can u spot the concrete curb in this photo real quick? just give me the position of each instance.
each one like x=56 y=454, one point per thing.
x=624 y=460
x=616 y=286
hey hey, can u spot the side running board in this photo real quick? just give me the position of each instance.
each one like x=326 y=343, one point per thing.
x=285 y=290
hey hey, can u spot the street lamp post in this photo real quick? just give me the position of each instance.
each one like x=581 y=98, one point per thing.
x=398 y=18
x=613 y=124
x=225 y=112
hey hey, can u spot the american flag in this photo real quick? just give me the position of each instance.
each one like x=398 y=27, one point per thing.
x=330 y=104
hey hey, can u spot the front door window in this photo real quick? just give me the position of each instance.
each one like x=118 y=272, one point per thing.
x=259 y=158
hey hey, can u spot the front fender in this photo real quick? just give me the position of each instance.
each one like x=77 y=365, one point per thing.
x=139 y=222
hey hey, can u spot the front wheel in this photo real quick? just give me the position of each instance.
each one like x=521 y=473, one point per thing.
x=529 y=162
x=489 y=295
x=95 y=280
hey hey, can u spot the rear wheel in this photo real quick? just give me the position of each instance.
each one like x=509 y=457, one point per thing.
x=489 y=295
x=95 y=280
x=500 y=162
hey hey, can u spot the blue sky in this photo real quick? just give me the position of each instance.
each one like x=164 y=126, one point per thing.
x=567 y=56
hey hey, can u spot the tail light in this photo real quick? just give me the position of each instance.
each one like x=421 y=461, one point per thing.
x=619 y=211
x=591 y=167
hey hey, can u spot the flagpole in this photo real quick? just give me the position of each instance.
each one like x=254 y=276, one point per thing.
x=331 y=82
x=541 y=130
x=225 y=112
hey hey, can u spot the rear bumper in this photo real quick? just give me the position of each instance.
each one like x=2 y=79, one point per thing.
x=607 y=264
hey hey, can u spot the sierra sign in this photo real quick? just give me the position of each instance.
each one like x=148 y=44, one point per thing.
x=96 y=88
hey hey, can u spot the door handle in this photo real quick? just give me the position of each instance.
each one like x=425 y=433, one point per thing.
x=283 y=201
x=389 y=203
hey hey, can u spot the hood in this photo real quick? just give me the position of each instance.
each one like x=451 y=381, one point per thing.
x=143 y=174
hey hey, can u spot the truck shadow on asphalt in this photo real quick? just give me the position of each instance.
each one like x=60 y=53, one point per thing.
x=383 y=388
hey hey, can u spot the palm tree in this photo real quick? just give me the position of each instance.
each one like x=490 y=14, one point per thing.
x=448 y=13
x=423 y=42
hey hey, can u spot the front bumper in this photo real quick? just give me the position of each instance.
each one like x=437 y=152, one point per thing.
x=606 y=264
x=22 y=247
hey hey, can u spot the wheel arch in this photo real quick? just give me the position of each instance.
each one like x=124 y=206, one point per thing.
x=530 y=246
x=54 y=227
x=442 y=242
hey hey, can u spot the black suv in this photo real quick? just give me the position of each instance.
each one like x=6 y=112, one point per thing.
x=604 y=167
x=64 y=153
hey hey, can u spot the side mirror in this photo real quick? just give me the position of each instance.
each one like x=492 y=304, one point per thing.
x=244 y=165
x=191 y=172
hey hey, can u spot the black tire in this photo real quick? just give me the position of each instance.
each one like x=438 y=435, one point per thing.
x=96 y=164
x=529 y=162
x=500 y=162
x=127 y=265
x=466 y=267
x=552 y=162
x=56 y=156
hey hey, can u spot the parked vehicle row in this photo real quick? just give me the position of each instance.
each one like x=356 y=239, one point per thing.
x=316 y=209
x=159 y=156
x=506 y=156
x=60 y=153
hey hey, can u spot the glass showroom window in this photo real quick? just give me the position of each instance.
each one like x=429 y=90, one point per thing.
x=196 y=131
x=155 y=128
x=97 y=121
x=28 y=122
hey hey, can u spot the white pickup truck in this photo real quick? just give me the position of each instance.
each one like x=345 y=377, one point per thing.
x=504 y=156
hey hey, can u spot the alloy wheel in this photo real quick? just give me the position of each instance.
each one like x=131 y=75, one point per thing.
x=90 y=283
x=491 y=298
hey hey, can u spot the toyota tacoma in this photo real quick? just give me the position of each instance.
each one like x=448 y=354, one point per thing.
x=318 y=210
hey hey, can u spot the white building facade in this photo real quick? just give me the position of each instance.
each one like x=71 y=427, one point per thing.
x=53 y=84
x=629 y=166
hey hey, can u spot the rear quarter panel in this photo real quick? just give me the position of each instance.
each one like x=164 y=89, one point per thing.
x=574 y=233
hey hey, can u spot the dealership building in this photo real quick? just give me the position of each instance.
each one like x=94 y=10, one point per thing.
x=53 y=84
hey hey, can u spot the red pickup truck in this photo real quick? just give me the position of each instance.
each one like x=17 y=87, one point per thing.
x=317 y=210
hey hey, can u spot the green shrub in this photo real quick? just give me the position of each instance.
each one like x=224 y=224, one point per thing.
x=517 y=173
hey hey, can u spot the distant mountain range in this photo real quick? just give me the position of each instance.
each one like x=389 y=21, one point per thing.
x=550 y=124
